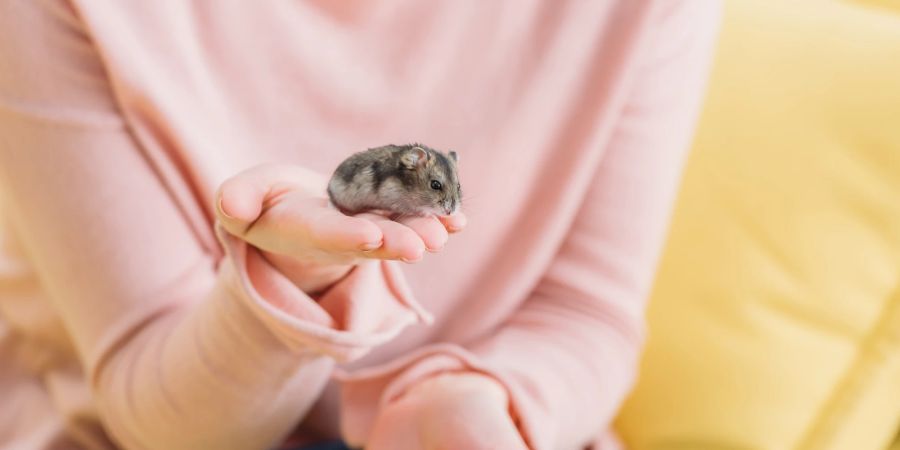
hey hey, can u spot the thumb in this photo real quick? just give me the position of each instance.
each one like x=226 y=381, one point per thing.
x=239 y=203
x=239 y=200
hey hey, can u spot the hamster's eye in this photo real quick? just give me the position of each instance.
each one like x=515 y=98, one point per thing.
x=436 y=185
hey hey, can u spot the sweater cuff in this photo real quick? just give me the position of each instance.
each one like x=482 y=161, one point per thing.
x=365 y=392
x=368 y=307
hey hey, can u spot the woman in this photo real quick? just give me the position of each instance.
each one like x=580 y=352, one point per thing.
x=173 y=278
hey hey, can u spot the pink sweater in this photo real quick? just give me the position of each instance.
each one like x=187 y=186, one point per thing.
x=126 y=320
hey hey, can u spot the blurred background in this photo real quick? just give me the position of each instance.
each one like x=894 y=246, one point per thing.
x=775 y=319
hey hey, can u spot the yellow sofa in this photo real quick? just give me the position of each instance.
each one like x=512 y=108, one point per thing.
x=775 y=320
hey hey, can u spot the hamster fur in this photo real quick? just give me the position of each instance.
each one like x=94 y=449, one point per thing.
x=401 y=180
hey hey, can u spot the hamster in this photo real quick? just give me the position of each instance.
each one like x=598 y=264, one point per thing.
x=399 y=180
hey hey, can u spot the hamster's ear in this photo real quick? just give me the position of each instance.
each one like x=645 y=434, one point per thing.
x=454 y=157
x=416 y=157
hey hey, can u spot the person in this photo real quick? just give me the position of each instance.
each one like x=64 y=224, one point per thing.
x=172 y=276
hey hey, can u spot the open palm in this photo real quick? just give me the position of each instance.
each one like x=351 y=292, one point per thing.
x=283 y=210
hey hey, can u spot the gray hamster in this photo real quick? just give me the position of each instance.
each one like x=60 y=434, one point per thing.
x=400 y=180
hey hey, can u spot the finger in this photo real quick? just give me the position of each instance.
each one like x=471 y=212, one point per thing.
x=301 y=226
x=398 y=242
x=430 y=230
x=454 y=223
x=333 y=231
x=240 y=199
x=238 y=203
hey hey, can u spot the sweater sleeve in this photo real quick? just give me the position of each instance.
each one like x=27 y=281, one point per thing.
x=568 y=355
x=183 y=349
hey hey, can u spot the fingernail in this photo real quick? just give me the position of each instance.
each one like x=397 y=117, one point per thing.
x=434 y=250
x=369 y=246
x=222 y=210
x=407 y=260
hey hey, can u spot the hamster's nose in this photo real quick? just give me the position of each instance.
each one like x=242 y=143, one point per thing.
x=450 y=207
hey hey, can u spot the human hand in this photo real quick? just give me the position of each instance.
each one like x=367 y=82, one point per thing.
x=283 y=211
x=448 y=412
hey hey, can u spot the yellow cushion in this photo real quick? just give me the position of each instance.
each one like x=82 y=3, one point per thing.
x=775 y=320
